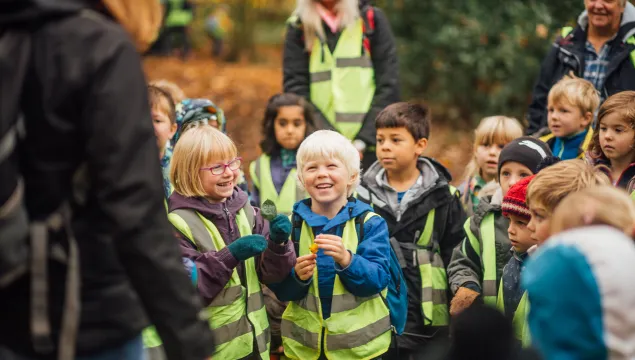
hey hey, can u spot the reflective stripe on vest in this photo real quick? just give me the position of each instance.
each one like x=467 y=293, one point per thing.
x=260 y=171
x=359 y=327
x=519 y=321
x=487 y=254
x=237 y=313
x=343 y=82
x=434 y=279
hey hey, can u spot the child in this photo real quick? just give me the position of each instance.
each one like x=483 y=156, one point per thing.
x=164 y=122
x=228 y=240
x=171 y=88
x=335 y=310
x=424 y=215
x=491 y=135
x=614 y=144
x=601 y=205
x=512 y=300
x=570 y=108
x=551 y=185
x=477 y=264
x=288 y=120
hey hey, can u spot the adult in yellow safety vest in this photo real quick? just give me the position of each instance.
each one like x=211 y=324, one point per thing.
x=341 y=56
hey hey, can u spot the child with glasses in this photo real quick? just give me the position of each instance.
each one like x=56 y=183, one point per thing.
x=233 y=247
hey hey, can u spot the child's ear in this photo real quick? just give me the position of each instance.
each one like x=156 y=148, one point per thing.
x=588 y=117
x=420 y=146
x=173 y=130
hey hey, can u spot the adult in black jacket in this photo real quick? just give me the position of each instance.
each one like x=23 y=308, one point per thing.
x=85 y=102
x=383 y=53
x=605 y=26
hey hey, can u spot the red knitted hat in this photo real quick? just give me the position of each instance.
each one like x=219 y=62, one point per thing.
x=515 y=202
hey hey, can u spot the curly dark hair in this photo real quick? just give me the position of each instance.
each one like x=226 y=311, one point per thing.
x=269 y=145
x=622 y=103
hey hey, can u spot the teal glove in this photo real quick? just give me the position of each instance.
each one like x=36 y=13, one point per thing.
x=280 y=229
x=247 y=246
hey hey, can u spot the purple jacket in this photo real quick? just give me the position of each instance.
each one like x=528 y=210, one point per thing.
x=215 y=267
x=279 y=176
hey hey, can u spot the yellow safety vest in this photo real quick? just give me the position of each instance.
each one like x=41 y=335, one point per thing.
x=237 y=314
x=343 y=82
x=359 y=328
x=519 y=321
x=583 y=147
x=488 y=255
x=260 y=171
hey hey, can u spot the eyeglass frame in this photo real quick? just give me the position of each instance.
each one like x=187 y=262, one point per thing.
x=225 y=166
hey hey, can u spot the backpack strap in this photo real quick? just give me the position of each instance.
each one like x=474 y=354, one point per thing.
x=251 y=215
x=191 y=220
x=296 y=229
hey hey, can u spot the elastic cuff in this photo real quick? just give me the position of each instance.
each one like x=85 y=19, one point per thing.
x=225 y=256
x=300 y=281
x=278 y=249
x=339 y=268
x=472 y=286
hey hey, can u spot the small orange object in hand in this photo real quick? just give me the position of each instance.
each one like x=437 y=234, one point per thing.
x=313 y=248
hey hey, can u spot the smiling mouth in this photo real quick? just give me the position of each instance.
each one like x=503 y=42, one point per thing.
x=324 y=186
x=224 y=184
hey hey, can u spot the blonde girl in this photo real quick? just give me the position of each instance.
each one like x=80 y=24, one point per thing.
x=491 y=135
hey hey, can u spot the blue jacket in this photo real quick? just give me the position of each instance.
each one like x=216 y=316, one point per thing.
x=366 y=275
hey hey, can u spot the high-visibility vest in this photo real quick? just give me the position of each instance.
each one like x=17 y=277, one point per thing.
x=487 y=254
x=358 y=328
x=260 y=171
x=519 y=321
x=565 y=31
x=583 y=148
x=343 y=82
x=237 y=314
x=178 y=16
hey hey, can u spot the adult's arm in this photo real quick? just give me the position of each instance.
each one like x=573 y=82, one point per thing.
x=386 y=67
x=123 y=167
x=537 y=112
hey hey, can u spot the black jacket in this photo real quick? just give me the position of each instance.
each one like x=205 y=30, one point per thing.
x=567 y=54
x=383 y=51
x=405 y=224
x=85 y=102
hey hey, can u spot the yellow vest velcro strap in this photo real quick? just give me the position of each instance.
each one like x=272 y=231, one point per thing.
x=321 y=76
x=359 y=337
x=363 y=61
x=437 y=296
x=348 y=301
x=227 y=333
x=423 y=257
x=489 y=288
x=255 y=302
x=299 y=334
x=350 y=117
x=227 y=296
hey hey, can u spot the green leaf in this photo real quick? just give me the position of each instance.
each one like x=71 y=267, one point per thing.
x=269 y=210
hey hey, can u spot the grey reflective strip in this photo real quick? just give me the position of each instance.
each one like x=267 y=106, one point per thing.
x=489 y=288
x=359 y=337
x=70 y=319
x=263 y=339
x=227 y=333
x=423 y=257
x=255 y=302
x=40 y=325
x=250 y=214
x=295 y=332
x=363 y=62
x=202 y=237
x=347 y=302
x=8 y=142
x=437 y=296
x=155 y=353
x=350 y=118
x=397 y=249
x=257 y=173
x=227 y=296
x=321 y=76
x=309 y=302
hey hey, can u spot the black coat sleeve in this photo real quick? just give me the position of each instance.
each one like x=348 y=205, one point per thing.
x=453 y=233
x=123 y=167
x=384 y=56
x=537 y=112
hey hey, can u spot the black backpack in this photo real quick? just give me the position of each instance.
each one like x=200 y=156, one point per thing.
x=26 y=246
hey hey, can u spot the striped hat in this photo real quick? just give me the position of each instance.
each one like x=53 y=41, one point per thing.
x=515 y=202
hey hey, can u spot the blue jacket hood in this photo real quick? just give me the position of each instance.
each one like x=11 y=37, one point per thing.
x=351 y=210
x=580 y=289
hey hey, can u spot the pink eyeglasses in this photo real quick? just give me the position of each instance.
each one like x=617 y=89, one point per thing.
x=219 y=169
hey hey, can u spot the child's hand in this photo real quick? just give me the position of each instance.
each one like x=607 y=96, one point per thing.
x=304 y=266
x=334 y=247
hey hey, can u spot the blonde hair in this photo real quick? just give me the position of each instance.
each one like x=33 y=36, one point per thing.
x=555 y=182
x=601 y=205
x=198 y=147
x=328 y=144
x=493 y=130
x=171 y=88
x=306 y=10
x=577 y=92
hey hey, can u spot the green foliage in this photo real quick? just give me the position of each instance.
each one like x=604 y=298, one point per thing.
x=474 y=58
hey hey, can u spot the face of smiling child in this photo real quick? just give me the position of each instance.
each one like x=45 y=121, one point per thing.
x=220 y=187
x=326 y=181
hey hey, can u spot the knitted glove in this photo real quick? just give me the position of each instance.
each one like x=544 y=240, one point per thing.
x=280 y=229
x=462 y=300
x=247 y=246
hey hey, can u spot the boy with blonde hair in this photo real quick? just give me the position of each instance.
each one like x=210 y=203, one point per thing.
x=338 y=278
x=571 y=105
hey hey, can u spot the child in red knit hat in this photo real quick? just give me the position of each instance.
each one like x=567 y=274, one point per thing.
x=512 y=300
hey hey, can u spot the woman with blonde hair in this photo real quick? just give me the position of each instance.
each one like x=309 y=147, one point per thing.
x=342 y=57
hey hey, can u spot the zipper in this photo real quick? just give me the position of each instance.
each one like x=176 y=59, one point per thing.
x=229 y=220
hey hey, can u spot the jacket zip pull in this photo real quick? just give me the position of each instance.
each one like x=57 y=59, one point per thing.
x=229 y=219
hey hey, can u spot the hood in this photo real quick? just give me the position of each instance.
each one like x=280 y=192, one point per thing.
x=233 y=204
x=627 y=26
x=582 y=279
x=351 y=210
x=488 y=204
x=21 y=11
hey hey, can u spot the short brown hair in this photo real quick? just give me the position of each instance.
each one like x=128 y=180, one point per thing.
x=553 y=183
x=162 y=101
x=171 y=88
x=622 y=103
x=413 y=117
